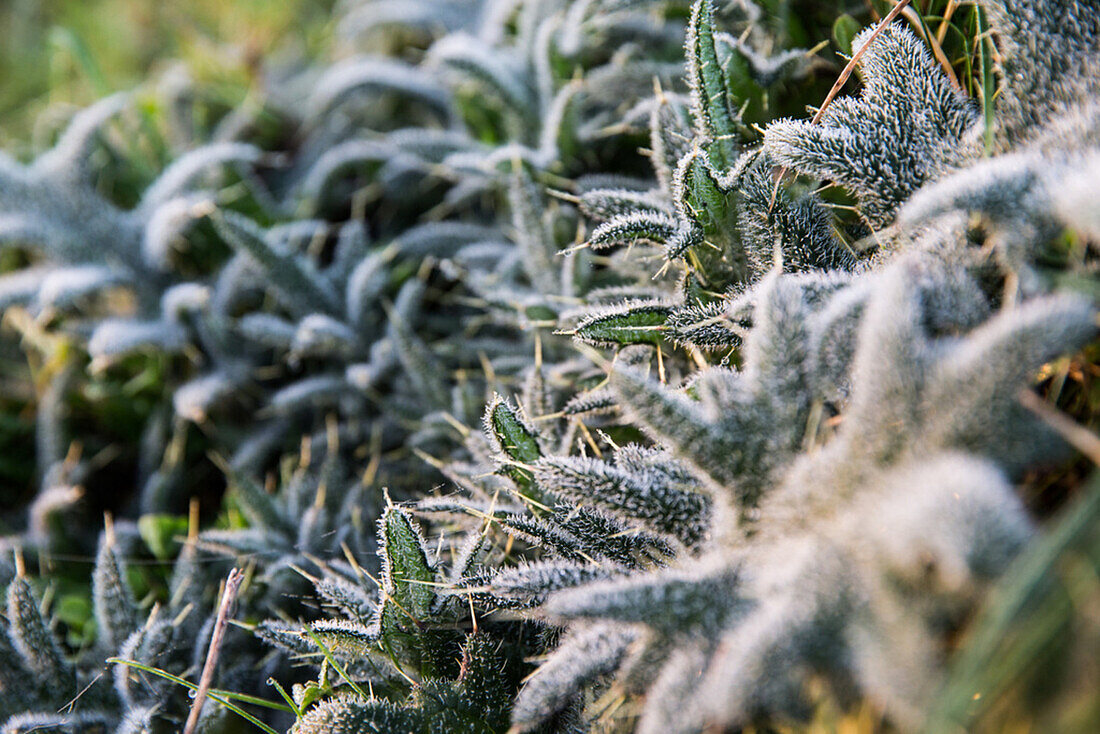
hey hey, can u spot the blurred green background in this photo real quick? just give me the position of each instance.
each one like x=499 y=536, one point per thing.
x=73 y=51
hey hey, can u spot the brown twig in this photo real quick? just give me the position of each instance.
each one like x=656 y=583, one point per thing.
x=1076 y=435
x=229 y=595
x=941 y=32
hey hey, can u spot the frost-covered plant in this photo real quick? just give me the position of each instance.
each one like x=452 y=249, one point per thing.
x=83 y=246
x=776 y=451
x=825 y=602
x=402 y=635
x=907 y=127
x=802 y=570
x=859 y=608
x=47 y=688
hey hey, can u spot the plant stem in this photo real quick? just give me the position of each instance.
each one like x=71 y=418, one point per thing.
x=229 y=595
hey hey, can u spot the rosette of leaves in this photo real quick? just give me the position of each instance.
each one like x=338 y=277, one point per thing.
x=831 y=554
x=607 y=642
x=717 y=209
x=309 y=318
x=305 y=304
x=410 y=650
x=156 y=246
x=389 y=657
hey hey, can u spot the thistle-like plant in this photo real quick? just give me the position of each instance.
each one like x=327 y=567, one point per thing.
x=907 y=127
x=434 y=658
x=1047 y=139
x=46 y=686
x=806 y=573
x=773 y=461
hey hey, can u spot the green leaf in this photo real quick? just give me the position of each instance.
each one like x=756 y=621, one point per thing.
x=629 y=323
x=513 y=438
x=845 y=29
x=65 y=39
x=708 y=88
x=408 y=574
x=516 y=438
x=702 y=208
x=483 y=682
x=160 y=532
x=76 y=612
x=637 y=226
x=307 y=694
